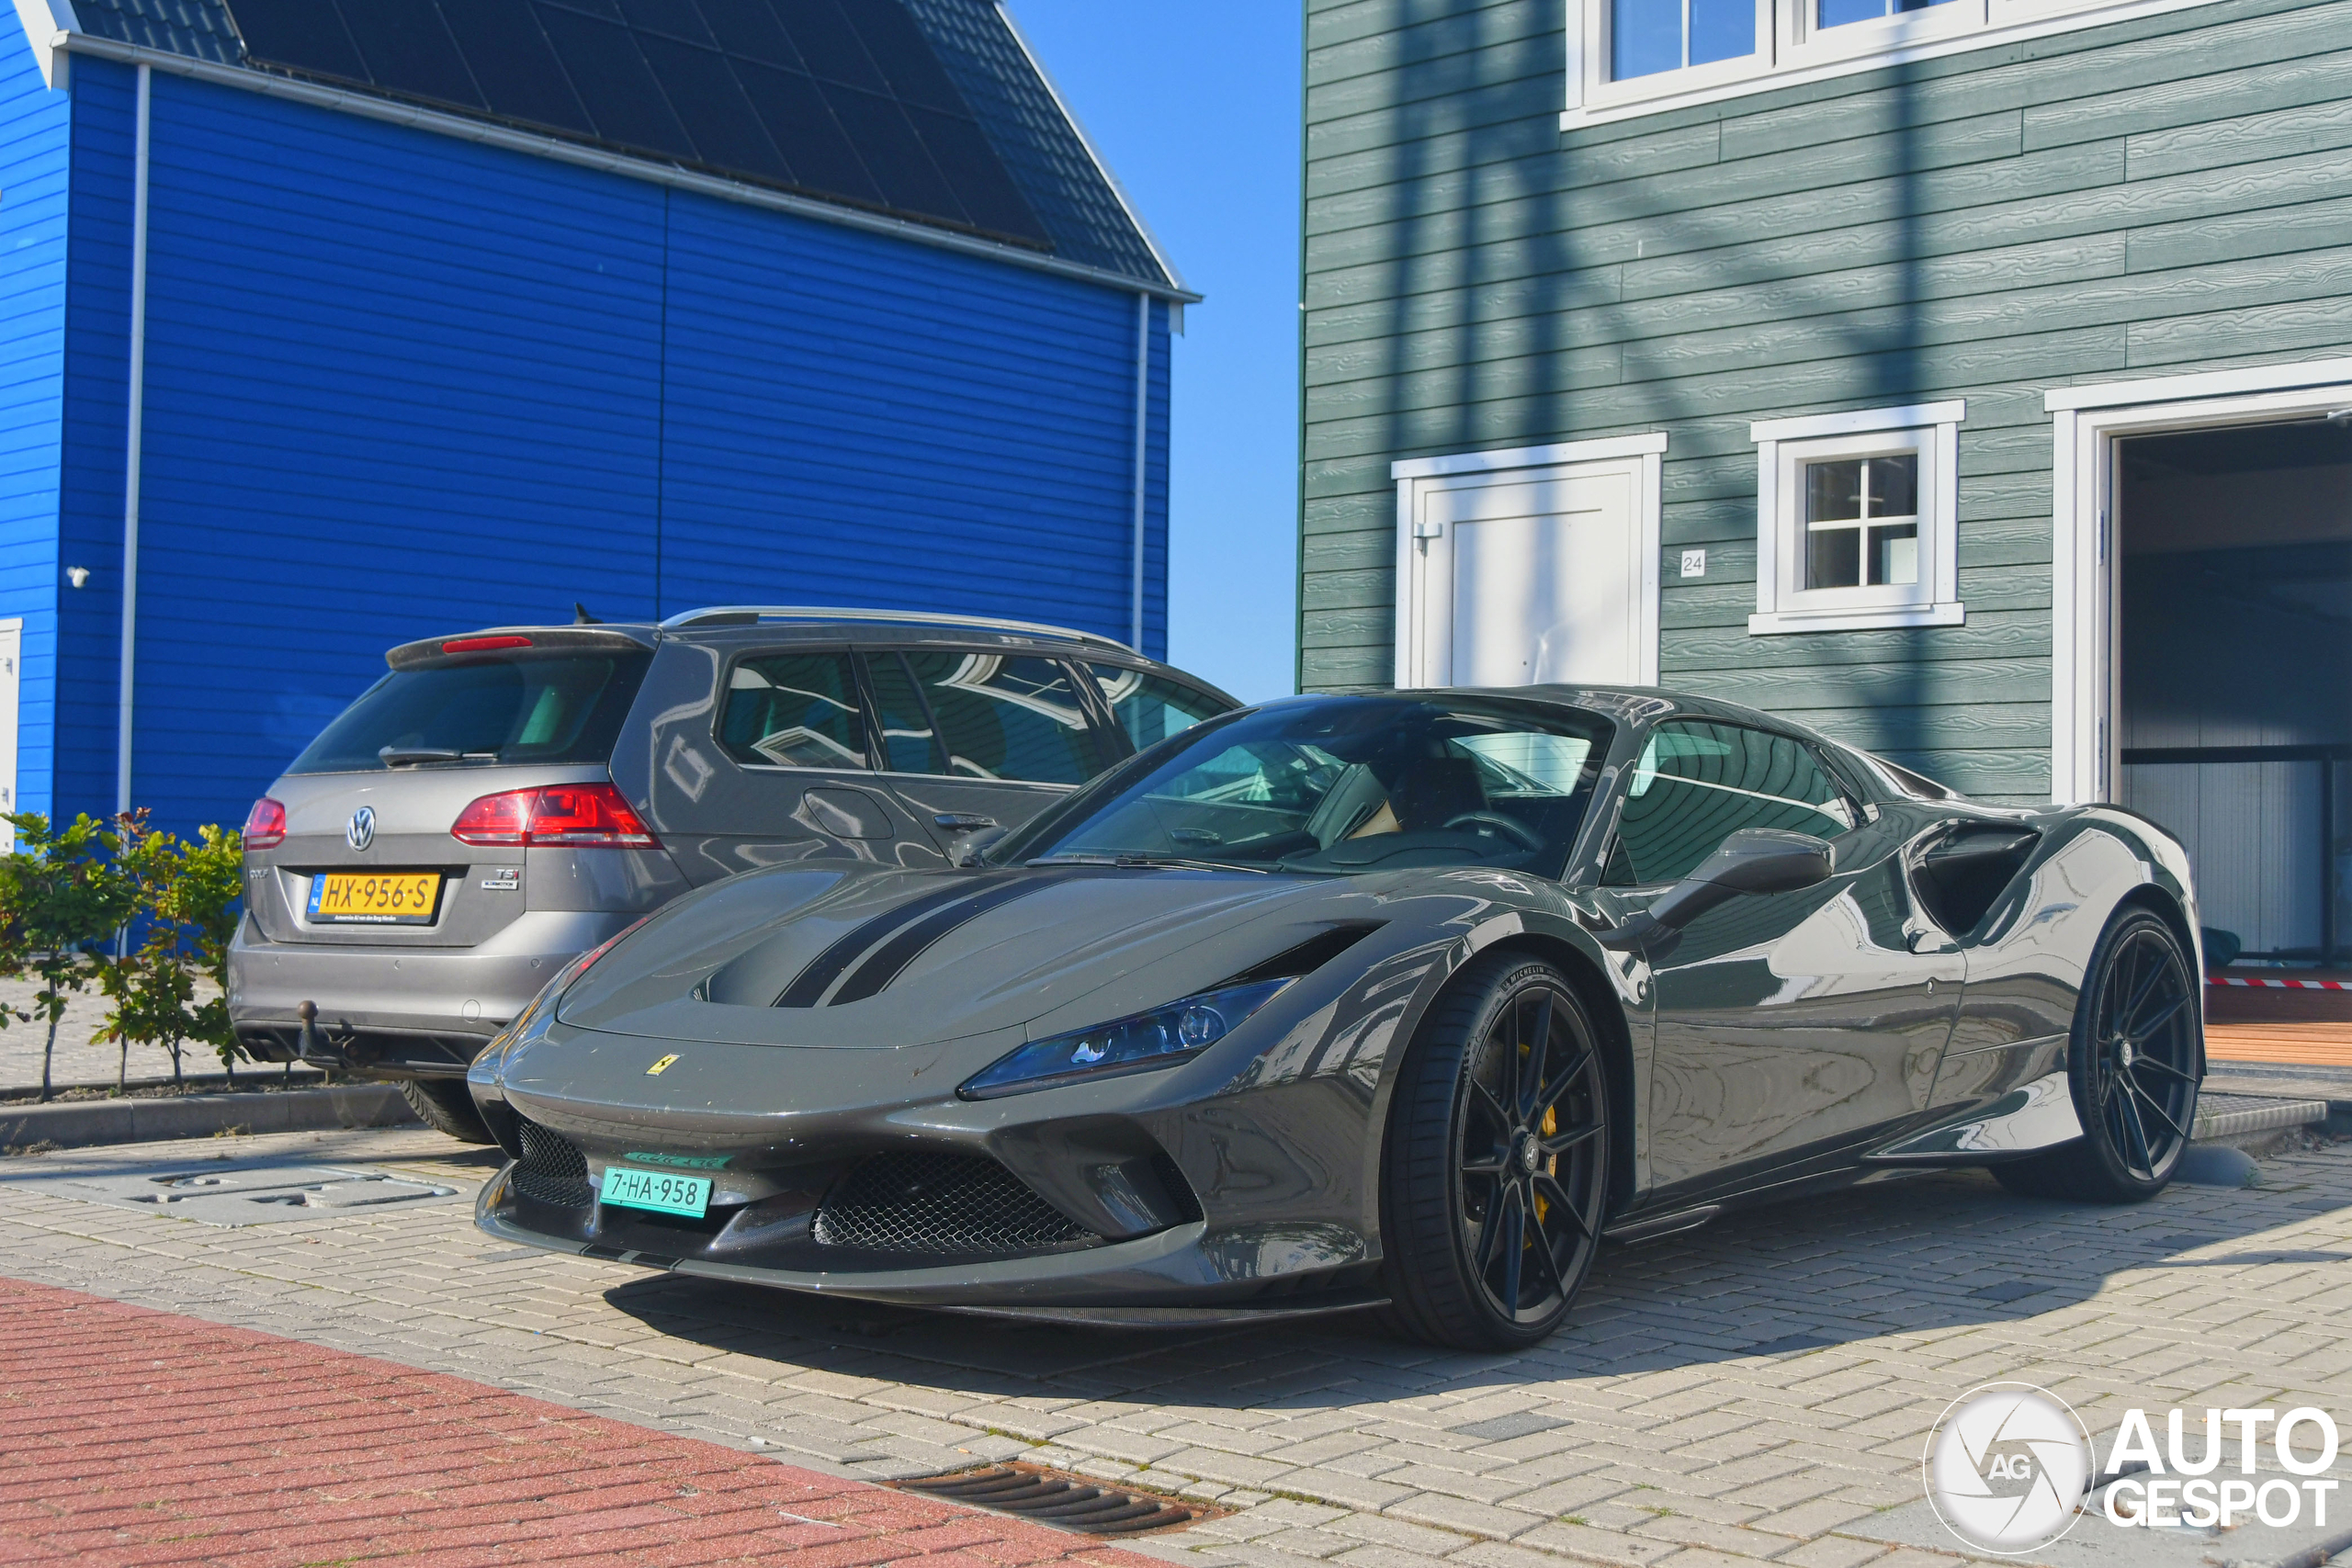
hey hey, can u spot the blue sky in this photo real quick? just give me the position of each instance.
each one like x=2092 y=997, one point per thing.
x=1196 y=109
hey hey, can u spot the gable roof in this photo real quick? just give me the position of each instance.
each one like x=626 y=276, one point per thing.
x=929 y=113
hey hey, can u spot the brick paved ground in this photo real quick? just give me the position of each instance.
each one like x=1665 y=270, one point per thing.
x=1757 y=1390
x=135 y=1436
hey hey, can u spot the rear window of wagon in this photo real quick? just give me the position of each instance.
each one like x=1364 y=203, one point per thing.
x=553 y=708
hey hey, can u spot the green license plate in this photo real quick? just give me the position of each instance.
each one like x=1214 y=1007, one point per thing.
x=658 y=1190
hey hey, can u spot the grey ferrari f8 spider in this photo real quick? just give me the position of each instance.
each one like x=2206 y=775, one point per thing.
x=1405 y=1002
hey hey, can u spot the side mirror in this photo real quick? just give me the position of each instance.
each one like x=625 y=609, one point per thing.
x=1754 y=860
x=972 y=834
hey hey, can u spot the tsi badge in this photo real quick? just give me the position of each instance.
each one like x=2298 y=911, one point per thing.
x=2006 y=1466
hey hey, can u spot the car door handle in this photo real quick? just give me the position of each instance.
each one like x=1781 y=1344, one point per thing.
x=963 y=821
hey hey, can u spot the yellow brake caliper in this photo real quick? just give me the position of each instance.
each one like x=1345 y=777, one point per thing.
x=1552 y=1166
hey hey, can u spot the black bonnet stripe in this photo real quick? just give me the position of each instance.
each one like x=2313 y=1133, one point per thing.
x=805 y=990
x=903 y=949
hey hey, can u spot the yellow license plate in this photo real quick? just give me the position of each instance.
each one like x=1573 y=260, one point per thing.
x=376 y=898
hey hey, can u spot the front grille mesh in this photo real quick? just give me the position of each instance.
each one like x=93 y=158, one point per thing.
x=552 y=1169
x=946 y=1204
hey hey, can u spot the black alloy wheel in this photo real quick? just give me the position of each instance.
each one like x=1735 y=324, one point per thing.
x=2134 y=1063
x=1497 y=1177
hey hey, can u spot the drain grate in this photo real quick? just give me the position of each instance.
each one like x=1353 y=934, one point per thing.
x=227 y=1193
x=1067 y=1502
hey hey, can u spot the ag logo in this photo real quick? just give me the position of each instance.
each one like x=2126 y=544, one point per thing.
x=362 y=831
x=2006 y=1468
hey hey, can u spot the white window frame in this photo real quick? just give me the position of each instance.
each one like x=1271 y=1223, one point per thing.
x=2085 y=421
x=1784 y=446
x=1789 y=49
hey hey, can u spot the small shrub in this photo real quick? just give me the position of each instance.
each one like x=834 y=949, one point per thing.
x=187 y=889
x=61 y=890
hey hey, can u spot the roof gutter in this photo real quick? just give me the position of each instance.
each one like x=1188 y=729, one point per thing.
x=369 y=107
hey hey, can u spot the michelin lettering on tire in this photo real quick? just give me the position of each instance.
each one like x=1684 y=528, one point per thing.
x=2006 y=1466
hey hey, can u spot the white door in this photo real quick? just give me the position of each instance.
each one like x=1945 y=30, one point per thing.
x=12 y=642
x=1519 y=575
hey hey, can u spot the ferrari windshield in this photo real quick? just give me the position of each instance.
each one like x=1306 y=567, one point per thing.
x=1345 y=784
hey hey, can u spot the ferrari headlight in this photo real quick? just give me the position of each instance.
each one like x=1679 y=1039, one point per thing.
x=1140 y=1043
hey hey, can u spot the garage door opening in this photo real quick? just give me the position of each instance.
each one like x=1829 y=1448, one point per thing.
x=2234 y=692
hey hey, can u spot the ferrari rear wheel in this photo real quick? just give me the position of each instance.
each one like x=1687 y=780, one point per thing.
x=1497 y=1173
x=2134 y=1067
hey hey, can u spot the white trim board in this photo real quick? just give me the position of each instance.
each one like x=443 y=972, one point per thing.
x=1858 y=421
x=1765 y=78
x=1530 y=456
x=2204 y=384
x=369 y=107
x=2086 y=421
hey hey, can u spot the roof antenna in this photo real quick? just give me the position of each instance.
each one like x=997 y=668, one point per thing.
x=580 y=618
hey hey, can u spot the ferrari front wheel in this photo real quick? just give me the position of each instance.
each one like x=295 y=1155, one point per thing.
x=1497 y=1170
x=2133 y=1065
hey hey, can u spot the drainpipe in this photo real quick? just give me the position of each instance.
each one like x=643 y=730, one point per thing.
x=130 y=457
x=1142 y=450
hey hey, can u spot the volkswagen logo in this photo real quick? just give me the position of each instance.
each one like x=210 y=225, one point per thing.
x=362 y=831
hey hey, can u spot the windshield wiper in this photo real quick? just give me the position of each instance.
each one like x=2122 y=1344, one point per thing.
x=1180 y=863
x=417 y=756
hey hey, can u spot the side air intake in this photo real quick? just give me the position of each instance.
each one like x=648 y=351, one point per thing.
x=552 y=1169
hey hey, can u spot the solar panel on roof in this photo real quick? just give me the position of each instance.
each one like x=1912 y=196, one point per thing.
x=301 y=32
x=614 y=83
x=672 y=18
x=748 y=29
x=840 y=98
x=405 y=40
x=717 y=116
x=514 y=65
x=892 y=152
x=898 y=48
x=799 y=120
x=829 y=46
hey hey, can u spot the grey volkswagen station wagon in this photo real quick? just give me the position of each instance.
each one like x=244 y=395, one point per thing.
x=502 y=801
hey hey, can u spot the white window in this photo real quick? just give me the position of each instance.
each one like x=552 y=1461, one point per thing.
x=1628 y=57
x=1854 y=520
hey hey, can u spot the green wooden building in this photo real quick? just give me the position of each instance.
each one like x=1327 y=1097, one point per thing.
x=1970 y=380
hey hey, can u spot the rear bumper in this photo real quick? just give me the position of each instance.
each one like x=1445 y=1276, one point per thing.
x=400 y=1011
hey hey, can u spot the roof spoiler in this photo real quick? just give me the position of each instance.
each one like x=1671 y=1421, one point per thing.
x=452 y=647
x=752 y=614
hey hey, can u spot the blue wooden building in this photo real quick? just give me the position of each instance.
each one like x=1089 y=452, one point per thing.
x=329 y=324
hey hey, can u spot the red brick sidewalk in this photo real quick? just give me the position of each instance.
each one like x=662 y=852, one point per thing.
x=130 y=1436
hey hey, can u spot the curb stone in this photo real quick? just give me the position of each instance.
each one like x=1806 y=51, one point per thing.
x=85 y=1123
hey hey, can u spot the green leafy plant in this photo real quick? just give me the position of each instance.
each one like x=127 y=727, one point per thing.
x=61 y=890
x=188 y=890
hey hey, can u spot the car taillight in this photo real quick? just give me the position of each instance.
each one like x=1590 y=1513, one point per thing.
x=265 y=825
x=483 y=644
x=576 y=815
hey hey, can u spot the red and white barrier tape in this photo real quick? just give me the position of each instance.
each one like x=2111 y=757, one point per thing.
x=2281 y=985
